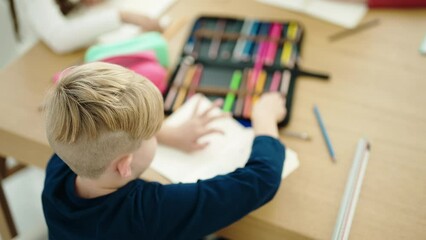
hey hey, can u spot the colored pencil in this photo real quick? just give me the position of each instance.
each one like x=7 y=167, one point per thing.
x=286 y=52
x=264 y=30
x=228 y=45
x=360 y=27
x=251 y=82
x=324 y=133
x=292 y=30
x=196 y=80
x=238 y=110
x=183 y=89
x=294 y=56
x=189 y=46
x=186 y=62
x=285 y=82
x=239 y=47
x=275 y=83
x=260 y=84
x=249 y=44
x=234 y=85
x=272 y=48
x=215 y=43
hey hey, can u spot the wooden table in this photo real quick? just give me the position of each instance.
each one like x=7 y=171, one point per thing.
x=377 y=90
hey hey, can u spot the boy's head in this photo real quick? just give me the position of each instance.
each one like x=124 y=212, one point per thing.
x=100 y=112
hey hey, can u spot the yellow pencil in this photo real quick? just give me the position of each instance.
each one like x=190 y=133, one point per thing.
x=259 y=86
x=184 y=87
x=292 y=30
x=286 y=53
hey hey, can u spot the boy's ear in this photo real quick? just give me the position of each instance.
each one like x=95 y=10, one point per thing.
x=123 y=166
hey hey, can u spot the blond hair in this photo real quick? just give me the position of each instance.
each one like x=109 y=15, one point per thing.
x=99 y=111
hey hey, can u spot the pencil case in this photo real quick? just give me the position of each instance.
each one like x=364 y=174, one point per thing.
x=238 y=60
x=143 y=63
x=148 y=41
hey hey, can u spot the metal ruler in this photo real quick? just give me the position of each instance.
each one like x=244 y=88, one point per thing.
x=352 y=190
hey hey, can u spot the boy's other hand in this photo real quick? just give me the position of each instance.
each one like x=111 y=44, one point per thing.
x=185 y=137
x=267 y=112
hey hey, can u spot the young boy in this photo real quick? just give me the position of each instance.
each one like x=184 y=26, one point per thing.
x=101 y=121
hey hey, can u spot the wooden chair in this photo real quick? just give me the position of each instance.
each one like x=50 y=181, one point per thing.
x=7 y=231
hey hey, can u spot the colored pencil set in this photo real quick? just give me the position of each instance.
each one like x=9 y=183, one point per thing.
x=244 y=40
x=243 y=91
x=236 y=60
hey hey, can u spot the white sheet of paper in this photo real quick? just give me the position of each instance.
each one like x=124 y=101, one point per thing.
x=153 y=9
x=295 y=5
x=224 y=154
x=344 y=14
x=150 y=8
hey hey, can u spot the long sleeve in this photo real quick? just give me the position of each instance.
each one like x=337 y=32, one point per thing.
x=148 y=210
x=189 y=211
x=64 y=35
x=396 y=3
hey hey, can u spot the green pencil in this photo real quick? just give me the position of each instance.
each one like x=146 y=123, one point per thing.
x=234 y=85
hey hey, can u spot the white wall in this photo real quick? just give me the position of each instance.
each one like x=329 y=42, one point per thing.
x=10 y=48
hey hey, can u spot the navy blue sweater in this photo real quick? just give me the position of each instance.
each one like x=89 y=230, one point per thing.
x=149 y=210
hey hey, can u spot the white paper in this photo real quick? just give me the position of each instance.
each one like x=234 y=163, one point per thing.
x=150 y=8
x=344 y=14
x=224 y=154
x=295 y=5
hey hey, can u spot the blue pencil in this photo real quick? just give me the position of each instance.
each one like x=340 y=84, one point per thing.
x=189 y=46
x=324 y=133
x=263 y=31
x=249 y=44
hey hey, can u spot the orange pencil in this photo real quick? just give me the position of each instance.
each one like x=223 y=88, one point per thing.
x=184 y=87
x=171 y=95
x=195 y=81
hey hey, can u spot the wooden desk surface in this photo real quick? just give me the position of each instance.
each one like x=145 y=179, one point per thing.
x=376 y=91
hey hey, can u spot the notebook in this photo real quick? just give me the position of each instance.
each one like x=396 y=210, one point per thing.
x=345 y=14
x=224 y=154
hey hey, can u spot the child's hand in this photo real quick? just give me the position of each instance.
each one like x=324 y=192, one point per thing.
x=267 y=112
x=185 y=137
x=270 y=105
